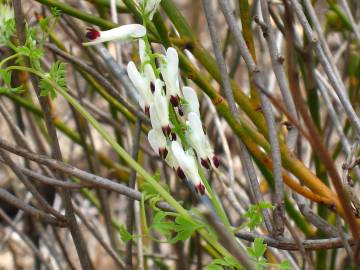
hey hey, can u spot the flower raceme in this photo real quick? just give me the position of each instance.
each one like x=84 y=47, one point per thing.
x=122 y=33
x=155 y=101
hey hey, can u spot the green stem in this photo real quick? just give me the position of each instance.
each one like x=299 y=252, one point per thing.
x=79 y=14
x=9 y=58
x=128 y=159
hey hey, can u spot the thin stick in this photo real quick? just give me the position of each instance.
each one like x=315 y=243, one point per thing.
x=36 y=213
x=210 y=18
x=44 y=102
x=41 y=200
x=278 y=68
x=130 y=202
x=101 y=79
x=228 y=241
x=326 y=60
x=299 y=244
x=71 y=170
x=94 y=232
x=26 y=239
x=279 y=210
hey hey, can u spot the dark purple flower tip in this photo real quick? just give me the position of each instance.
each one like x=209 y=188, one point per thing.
x=173 y=136
x=200 y=188
x=205 y=163
x=92 y=33
x=180 y=173
x=152 y=87
x=175 y=100
x=147 y=111
x=166 y=130
x=163 y=152
x=216 y=161
x=181 y=111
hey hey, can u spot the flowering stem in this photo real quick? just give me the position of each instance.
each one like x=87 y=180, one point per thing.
x=215 y=201
x=136 y=166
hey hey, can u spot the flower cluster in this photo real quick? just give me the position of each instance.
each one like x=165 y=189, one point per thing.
x=160 y=96
x=157 y=98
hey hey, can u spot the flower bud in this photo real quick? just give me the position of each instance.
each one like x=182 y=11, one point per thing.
x=122 y=33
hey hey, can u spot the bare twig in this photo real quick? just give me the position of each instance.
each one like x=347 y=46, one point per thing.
x=44 y=102
x=26 y=239
x=231 y=245
x=132 y=185
x=88 y=177
x=277 y=63
x=267 y=110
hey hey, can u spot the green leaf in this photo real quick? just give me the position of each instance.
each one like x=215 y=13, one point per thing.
x=259 y=247
x=124 y=234
x=176 y=230
x=284 y=265
x=265 y=205
x=57 y=75
x=184 y=229
x=163 y=226
x=228 y=262
x=55 y=11
x=254 y=214
x=44 y=24
x=214 y=267
x=260 y=264
x=256 y=253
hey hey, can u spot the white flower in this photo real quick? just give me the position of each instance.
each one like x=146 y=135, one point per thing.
x=159 y=110
x=170 y=72
x=150 y=7
x=158 y=142
x=121 y=33
x=142 y=84
x=199 y=141
x=188 y=165
x=191 y=99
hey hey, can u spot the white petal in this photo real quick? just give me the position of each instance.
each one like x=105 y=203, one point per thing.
x=149 y=73
x=192 y=100
x=170 y=72
x=154 y=118
x=156 y=140
x=141 y=83
x=186 y=162
x=195 y=125
x=197 y=138
x=161 y=104
x=170 y=160
x=121 y=33
x=135 y=75
x=172 y=61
